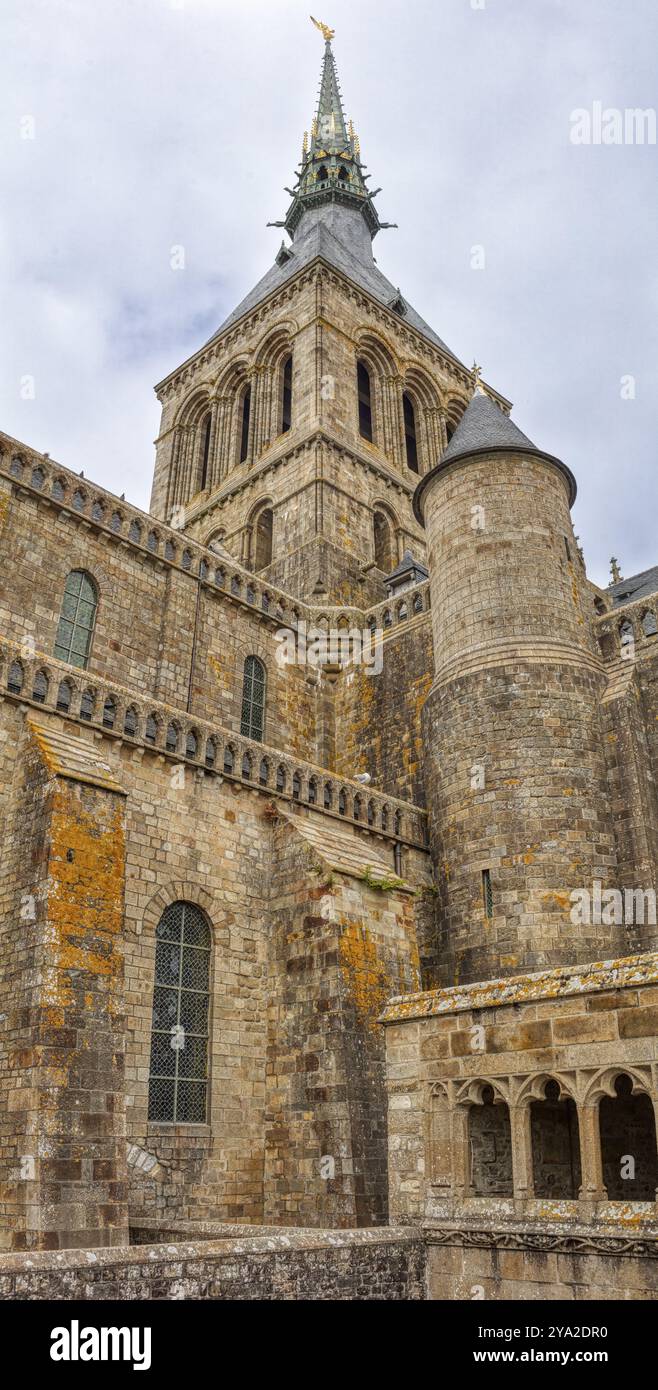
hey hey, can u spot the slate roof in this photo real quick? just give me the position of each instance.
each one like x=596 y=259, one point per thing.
x=341 y=850
x=406 y=566
x=341 y=237
x=71 y=757
x=638 y=586
x=484 y=425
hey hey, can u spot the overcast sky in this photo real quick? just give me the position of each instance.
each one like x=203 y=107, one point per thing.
x=160 y=123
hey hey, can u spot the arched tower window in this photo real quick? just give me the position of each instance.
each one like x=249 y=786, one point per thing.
x=78 y=616
x=286 y=405
x=263 y=539
x=383 y=543
x=410 y=432
x=365 y=401
x=322 y=173
x=252 y=724
x=246 y=416
x=205 y=450
x=178 y=1073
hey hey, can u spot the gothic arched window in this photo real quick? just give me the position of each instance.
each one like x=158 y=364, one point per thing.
x=178 y=1072
x=410 y=432
x=383 y=543
x=205 y=450
x=286 y=399
x=78 y=616
x=253 y=699
x=263 y=539
x=244 y=426
x=40 y=687
x=365 y=401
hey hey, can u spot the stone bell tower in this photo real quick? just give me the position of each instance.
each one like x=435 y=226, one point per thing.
x=515 y=771
x=295 y=437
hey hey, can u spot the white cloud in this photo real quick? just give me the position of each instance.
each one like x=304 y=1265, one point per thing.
x=157 y=126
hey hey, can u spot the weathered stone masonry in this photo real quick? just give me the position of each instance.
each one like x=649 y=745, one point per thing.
x=358 y=845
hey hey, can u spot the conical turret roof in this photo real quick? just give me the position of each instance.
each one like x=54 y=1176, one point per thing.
x=485 y=428
x=484 y=425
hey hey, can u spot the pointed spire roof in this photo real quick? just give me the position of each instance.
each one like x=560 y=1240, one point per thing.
x=484 y=428
x=331 y=170
x=329 y=128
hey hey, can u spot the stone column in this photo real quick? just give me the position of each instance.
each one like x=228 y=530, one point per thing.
x=592 y=1188
x=521 y=1151
x=461 y=1150
x=221 y=452
x=253 y=383
x=214 y=419
x=173 y=476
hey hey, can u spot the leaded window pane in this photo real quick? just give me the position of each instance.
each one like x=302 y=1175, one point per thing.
x=181 y=999
x=78 y=615
x=253 y=699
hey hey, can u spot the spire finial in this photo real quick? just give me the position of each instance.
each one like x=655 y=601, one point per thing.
x=615 y=570
x=476 y=373
x=326 y=32
x=331 y=169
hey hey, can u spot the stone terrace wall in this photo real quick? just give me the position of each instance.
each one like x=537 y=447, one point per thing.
x=331 y=1265
x=535 y=1265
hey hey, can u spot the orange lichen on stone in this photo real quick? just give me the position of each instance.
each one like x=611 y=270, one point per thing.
x=364 y=973
x=85 y=897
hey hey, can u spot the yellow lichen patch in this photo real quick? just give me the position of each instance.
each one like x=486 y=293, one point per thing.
x=562 y=899
x=364 y=973
x=85 y=898
x=4 y=511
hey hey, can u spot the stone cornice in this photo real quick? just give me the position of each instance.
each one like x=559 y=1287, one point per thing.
x=627 y=972
x=582 y=1240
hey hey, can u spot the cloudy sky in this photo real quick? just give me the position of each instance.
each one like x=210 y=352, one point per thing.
x=131 y=126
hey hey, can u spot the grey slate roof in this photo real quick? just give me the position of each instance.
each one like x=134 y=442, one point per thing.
x=406 y=566
x=638 y=586
x=341 y=237
x=483 y=425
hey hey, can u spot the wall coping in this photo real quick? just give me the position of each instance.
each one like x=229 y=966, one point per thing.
x=287 y=1239
x=627 y=972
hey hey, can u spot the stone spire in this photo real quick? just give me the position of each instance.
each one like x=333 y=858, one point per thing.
x=331 y=170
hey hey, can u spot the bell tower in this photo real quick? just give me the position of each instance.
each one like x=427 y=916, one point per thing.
x=295 y=437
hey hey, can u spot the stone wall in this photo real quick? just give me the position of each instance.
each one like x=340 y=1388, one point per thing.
x=342 y=945
x=535 y=1264
x=62 y=1078
x=300 y=1265
x=501 y=1043
x=515 y=766
x=522 y=1132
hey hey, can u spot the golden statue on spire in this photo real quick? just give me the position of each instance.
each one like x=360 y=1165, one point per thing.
x=327 y=33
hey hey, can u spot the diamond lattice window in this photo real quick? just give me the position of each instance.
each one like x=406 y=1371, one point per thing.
x=253 y=699
x=178 y=1076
